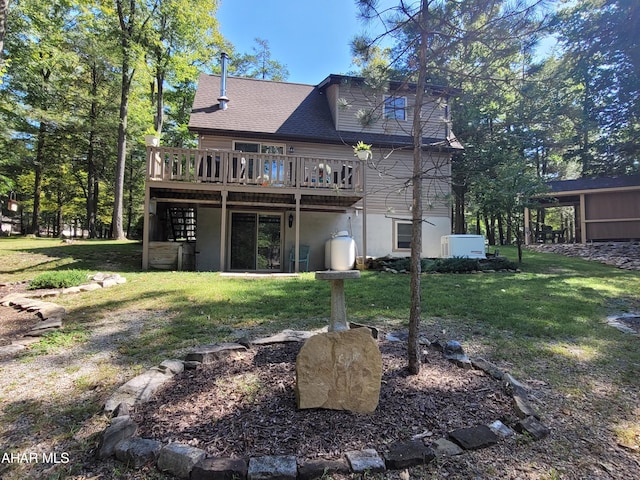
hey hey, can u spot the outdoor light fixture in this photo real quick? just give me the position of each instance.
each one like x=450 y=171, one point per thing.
x=291 y=150
x=290 y=220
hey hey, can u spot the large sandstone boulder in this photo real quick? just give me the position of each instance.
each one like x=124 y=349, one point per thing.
x=339 y=371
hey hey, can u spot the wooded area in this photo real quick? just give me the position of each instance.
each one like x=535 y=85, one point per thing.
x=82 y=82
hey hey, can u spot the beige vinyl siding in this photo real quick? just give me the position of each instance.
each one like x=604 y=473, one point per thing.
x=360 y=100
x=385 y=177
x=387 y=193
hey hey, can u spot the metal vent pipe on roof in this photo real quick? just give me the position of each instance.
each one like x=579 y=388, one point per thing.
x=223 y=99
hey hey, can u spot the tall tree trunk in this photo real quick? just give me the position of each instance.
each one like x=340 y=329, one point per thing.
x=4 y=11
x=92 y=181
x=159 y=115
x=459 y=192
x=413 y=346
x=118 y=197
x=37 y=182
x=130 y=200
x=126 y=30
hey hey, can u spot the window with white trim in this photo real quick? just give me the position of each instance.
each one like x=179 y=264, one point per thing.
x=402 y=235
x=395 y=108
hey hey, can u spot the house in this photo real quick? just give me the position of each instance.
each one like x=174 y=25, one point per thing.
x=604 y=208
x=275 y=169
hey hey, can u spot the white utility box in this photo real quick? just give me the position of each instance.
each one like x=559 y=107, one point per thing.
x=467 y=246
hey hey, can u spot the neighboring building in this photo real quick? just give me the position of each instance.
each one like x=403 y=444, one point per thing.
x=604 y=208
x=275 y=169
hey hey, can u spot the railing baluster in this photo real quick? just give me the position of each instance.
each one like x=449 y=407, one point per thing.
x=237 y=168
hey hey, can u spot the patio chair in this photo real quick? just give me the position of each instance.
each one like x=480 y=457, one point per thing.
x=303 y=257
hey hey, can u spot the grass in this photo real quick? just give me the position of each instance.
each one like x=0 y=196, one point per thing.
x=546 y=321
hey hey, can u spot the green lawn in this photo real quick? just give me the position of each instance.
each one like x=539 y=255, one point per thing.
x=553 y=298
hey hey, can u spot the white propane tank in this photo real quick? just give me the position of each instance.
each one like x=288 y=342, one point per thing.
x=340 y=252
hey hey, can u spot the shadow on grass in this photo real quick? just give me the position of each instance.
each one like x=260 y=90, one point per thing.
x=51 y=254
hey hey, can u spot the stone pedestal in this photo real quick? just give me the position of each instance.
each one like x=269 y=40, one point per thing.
x=338 y=306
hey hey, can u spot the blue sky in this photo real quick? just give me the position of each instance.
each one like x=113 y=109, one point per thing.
x=311 y=37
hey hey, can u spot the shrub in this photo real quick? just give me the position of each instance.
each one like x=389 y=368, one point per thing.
x=498 y=263
x=454 y=265
x=58 y=279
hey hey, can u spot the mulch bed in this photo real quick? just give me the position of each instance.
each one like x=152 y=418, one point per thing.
x=245 y=405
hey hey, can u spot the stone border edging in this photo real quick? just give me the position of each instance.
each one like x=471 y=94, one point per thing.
x=185 y=461
x=50 y=314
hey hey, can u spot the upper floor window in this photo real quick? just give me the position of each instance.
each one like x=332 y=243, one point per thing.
x=395 y=107
x=250 y=147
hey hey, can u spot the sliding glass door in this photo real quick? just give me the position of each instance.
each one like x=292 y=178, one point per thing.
x=255 y=241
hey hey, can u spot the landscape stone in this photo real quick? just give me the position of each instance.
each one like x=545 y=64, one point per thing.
x=120 y=429
x=11 y=349
x=121 y=410
x=28 y=304
x=473 y=438
x=191 y=365
x=501 y=429
x=515 y=385
x=374 y=330
x=139 y=389
x=446 y=448
x=25 y=341
x=487 y=367
x=10 y=299
x=70 y=290
x=366 y=460
x=137 y=452
x=523 y=408
x=207 y=354
x=49 y=293
x=284 y=337
x=89 y=287
x=53 y=322
x=533 y=427
x=339 y=370
x=453 y=351
x=40 y=332
x=321 y=468
x=272 y=467
x=179 y=459
x=217 y=468
x=108 y=282
x=174 y=366
x=408 y=454
x=51 y=310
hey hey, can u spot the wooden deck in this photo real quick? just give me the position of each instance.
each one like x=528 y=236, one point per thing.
x=239 y=169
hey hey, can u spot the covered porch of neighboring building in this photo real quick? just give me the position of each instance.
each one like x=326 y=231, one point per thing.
x=603 y=209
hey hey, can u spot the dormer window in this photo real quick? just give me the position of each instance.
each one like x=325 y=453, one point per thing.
x=395 y=108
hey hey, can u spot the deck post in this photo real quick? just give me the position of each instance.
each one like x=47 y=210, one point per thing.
x=297 y=243
x=223 y=230
x=145 y=229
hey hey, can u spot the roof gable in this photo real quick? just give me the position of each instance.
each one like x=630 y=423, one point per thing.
x=284 y=111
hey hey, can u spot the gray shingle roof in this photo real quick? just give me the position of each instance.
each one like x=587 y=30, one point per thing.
x=587 y=183
x=286 y=111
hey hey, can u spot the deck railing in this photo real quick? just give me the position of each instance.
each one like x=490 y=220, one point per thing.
x=242 y=168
